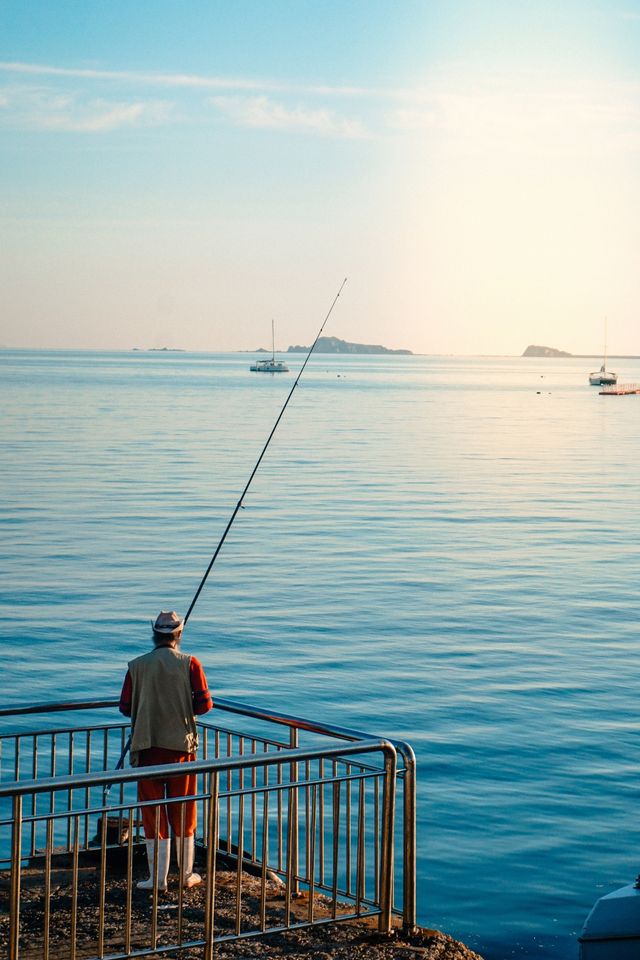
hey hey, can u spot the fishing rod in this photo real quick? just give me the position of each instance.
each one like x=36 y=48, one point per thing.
x=259 y=460
x=238 y=505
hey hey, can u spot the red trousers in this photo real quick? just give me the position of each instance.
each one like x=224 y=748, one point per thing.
x=178 y=815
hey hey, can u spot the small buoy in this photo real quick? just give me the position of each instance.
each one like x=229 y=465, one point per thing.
x=538 y=392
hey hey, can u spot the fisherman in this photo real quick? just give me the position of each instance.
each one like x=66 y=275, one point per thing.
x=162 y=692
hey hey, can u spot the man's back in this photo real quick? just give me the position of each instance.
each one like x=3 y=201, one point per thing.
x=161 y=702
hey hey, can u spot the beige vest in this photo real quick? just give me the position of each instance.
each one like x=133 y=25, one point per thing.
x=161 y=703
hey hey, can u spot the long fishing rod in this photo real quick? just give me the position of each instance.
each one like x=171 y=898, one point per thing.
x=259 y=460
x=238 y=505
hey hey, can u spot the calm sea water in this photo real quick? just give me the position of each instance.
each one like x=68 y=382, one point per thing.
x=442 y=550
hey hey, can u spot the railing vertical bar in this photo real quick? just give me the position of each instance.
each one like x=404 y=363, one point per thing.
x=307 y=818
x=47 y=890
x=154 y=877
x=34 y=775
x=70 y=790
x=376 y=839
x=229 y=782
x=361 y=861
x=180 y=842
x=265 y=859
x=122 y=744
x=103 y=882
x=386 y=853
x=16 y=759
x=87 y=763
x=348 y=829
x=203 y=785
x=409 y=835
x=73 y=927
x=16 y=866
x=52 y=795
x=265 y=783
x=280 y=811
x=240 y=846
x=336 y=843
x=312 y=851
x=129 y=895
x=290 y=857
x=105 y=749
x=254 y=809
x=321 y=818
x=212 y=847
x=293 y=773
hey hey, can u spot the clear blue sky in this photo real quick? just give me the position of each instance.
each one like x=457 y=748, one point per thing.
x=180 y=173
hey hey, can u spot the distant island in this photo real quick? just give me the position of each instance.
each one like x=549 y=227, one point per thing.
x=534 y=351
x=335 y=345
x=164 y=349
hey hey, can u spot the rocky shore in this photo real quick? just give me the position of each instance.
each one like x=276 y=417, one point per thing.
x=349 y=940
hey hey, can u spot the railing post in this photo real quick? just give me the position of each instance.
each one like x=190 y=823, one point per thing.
x=212 y=849
x=295 y=861
x=409 y=839
x=16 y=856
x=386 y=841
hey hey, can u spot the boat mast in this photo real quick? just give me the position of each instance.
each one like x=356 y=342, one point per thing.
x=273 y=345
x=605 y=344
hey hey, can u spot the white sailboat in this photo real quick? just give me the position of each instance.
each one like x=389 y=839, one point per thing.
x=603 y=377
x=272 y=365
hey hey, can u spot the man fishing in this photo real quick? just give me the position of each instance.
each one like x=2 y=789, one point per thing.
x=163 y=692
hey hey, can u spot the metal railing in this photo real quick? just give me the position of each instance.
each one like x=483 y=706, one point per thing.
x=289 y=834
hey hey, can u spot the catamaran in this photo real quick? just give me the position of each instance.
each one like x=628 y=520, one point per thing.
x=272 y=365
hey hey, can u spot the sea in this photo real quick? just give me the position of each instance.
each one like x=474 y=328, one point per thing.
x=443 y=550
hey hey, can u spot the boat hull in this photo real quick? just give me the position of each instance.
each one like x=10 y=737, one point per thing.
x=268 y=367
x=612 y=929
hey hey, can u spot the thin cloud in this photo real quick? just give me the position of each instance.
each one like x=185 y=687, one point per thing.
x=188 y=80
x=521 y=113
x=261 y=112
x=39 y=109
x=101 y=117
x=177 y=80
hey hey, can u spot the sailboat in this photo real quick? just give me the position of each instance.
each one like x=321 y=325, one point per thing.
x=272 y=365
x=603 y=377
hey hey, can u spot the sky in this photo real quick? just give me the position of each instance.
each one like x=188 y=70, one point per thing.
x=181 y=173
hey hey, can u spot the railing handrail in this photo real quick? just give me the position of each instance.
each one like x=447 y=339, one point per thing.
x=18 y=710
x=79 y=781
x=220 y=703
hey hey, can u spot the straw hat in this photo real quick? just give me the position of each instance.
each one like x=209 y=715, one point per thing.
x=168 y=621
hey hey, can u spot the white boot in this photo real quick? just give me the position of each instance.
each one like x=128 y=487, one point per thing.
x=186 y=846
x=164 y=849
